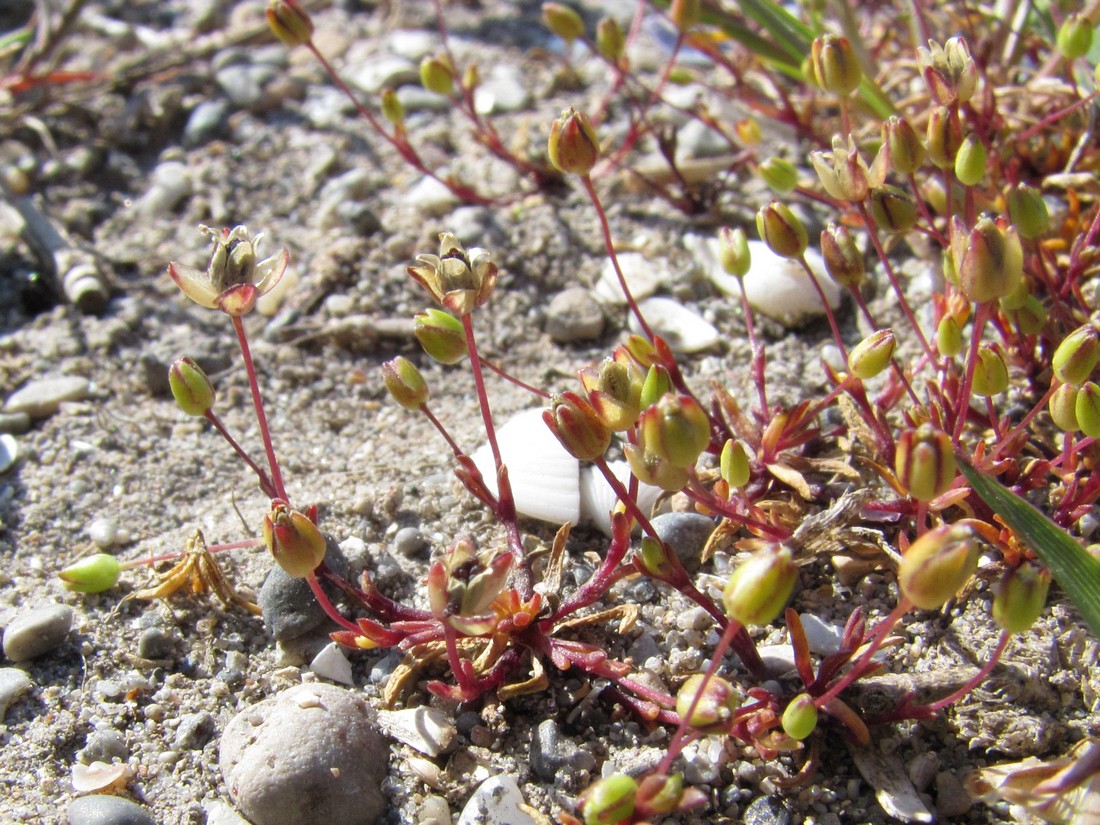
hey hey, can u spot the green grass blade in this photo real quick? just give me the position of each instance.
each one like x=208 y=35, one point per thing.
x=1076 y=572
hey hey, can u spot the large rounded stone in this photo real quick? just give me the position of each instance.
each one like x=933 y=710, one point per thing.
x=311 y=754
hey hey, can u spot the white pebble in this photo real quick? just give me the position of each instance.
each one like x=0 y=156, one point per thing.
x=103 y=532
x=497 y=801
x=9 y=451
x=332 y=664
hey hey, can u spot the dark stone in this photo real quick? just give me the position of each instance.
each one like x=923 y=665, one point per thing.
x=288 y=605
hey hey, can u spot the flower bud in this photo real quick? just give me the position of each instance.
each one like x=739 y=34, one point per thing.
x=293 y=539
x=656 y=386
x=715 y=700
x=779 y=174
x=392 y=109
x=835 y=66
x=610 y=801
x=1074 y=36
x=405 y=383
x=990 y=373
x=577 y=426
x=1028 y=211
x=190 y=387
x=614 y=391
x=573 y=146
x=949 y=71
x=924 y=462
x=471 y=77
x=903 y=147
x=1031 y=318
x=758 y=590
x=676 y=429
x=1075 y=358
x=437 y=74
x=441 y=335
x=800 y=717
x=654 y=559
x=949 y=340
x=685 y=14
x=289 y=22
x=644 y=353
x=1017 y=298
x=938 y=564
x=734 y=464
x=970 y=161
x=873 y=354
x=1020 y=597
x=733 y=251
x=893 y=209
x=748 y=131
x=988 y=259
x=781 y=230
x=843 y=260
x=93 y=574
x=660 y=793
x=843 y=172
x=610 y=40
x=563 y=21
x=1063 y=408
x=944 y=136
x=1087 y=408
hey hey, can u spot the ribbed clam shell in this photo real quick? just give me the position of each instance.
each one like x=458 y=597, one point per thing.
x=597 y=499
x=683 y=330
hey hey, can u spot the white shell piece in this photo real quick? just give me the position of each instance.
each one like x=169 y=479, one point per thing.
x=428 y=730
x=545 y=478
x=598 y=499
x=99 y=776
x=332 y=664
x=643 y=276
x=684 y=331
x=497 y=801
x=777 y=287
x=9 y=451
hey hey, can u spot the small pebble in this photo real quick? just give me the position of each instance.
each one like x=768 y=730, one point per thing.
x=195 y=730
x=13 y=683
x=244 y=84
x=410 y=542
x=15 y=423
x=170 y=184
x=435 y=811
x=102 y=809
x=219 y=813
x=207 y=121
x=642 y=275
x=155 y=643
x=332 y=664
x=952 y=800
x=429 y=730
x=37 y=631
x=103 y=532
x=288 y=605
x=573 y=315
x=103 y=746
x=9 y=452
x=312 y=753
x=430 y=197
x=686 y=534
x=42 y=398
x=766 y=810
x=553 y=755
x=497 y=801
x=503 y=89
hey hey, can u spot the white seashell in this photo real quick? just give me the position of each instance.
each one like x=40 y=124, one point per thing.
x=497 y=801
x=332 y=664
x=545 y=478
x=428 y=730
x=100 y=776
x=643 y=276
x=598 y=499
x=777 y=287
x=9 y=451
x=684 y=331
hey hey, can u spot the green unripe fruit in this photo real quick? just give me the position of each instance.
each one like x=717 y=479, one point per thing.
x=91 y=575
x=1020 y=597
x=734 y=464
x=758 y=590
x=872 y=355
x=1076 y=357
x=609 y=801
x=800 y=717
x=1063 y=408
x=970 y=161
x=190 y=387
x=1087 y=408
x=938 y=564
x=1075 y=37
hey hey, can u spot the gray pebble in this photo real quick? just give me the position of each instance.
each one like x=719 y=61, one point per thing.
x=311 y=754
x=37 y=631
x=195 y=730
x=171 y=183
x=952 y=800
x=42 y=398
x=13 y=682
x=410 y=542
x=766 y=810
x=686 y=533
x=155 y=643
x=552 y=754
x=288 y=606
x=104 y=746
x=574 y=315
x=244 y=85
x=502 y=90
x=101 y=809
x=207 y=121
x=14 y=423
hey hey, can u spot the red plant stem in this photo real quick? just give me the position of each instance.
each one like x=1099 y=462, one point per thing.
x=326 y=605
x=925 y=214
x=512 y=379
x=758 y=355
x=978 y=678
x=854 y=292
x=442 y=430
x=962 y=400
x=825 y=304
x=878 y=636
x=258 y=404
x=1038 y=407
x=605 y=228
x=265 y=482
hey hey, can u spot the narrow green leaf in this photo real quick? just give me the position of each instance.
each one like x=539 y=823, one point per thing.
x=1077 y=572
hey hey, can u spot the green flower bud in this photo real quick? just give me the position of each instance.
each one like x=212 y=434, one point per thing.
x=654 y=559
x=656 y=386
x=904 y=149
x=471 y=78
x=685 y=14
x=573 y=146
x=716 y=701
x=949 y=340
x=289 y=22
x=1020 y=597
x=190 y=387
x=577 y=426
x=944 y=136
x=970 y=161
x=614 y=391
x=781 y=230
x=924 y=462
x=610 y=40
x=1075 y=37
x=293 y=539
x=1075 y=358
x=392 y=110
x=990 y=373
x=441 y=335
x=93 y=574
x=989 y=259
x=1031 y=318
x=1017 y=298
x=800 y=716
x=734 y=464
x=835 y=66
x=843 y=260
x=563 y=21
x=779 y=174
x=873 y=354
x=938 y=564
x=437 y=74
x=1087 y=408
x=748 y=131
x=733 y=251
x=1063 y=408
x=758 y=590
x=949 y=71
x=642 y=351
x=660 y=794
x=677 y=429
x=1028 y=211
x=609 y=801
x=651 y=468
x=405 y=383
x=893 y=209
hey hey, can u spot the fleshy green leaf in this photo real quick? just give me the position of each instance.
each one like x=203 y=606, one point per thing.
x=1077 y=572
